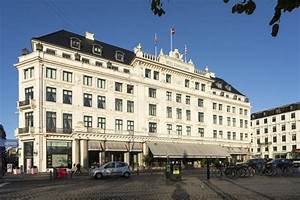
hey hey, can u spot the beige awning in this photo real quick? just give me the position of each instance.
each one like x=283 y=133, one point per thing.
x=186 y=150
x=116 y=146
x=135 y=146
x=237 y=150
x=94 y=145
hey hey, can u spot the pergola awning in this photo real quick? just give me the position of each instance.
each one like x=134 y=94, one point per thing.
x=186 y=150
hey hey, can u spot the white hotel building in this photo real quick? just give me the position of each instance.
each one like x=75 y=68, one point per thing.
x=276 y=131
x=85 y=101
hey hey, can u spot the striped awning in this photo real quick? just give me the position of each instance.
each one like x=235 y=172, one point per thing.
x=116 y=146
x=186 y=150
x=95 y=145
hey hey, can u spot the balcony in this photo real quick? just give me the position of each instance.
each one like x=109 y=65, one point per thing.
x=26 y=104
x=59 y=130
x=25 y=130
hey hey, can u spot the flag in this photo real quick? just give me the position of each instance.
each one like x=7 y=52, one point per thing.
x=155 y=39
x=172 y=30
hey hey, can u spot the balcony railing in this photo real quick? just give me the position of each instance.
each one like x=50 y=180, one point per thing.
x=23 y=130
x=26 y=104
x=59 y=130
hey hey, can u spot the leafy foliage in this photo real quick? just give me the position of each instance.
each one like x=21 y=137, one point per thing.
x=245 y=6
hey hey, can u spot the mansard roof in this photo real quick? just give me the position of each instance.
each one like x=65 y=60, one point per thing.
x=62 y=39
x=223 y=85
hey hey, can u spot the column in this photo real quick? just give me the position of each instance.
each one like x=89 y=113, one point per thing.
x=75 y=151
x=102 y=158
x=84 y=154
x=126 y=157
x=140 y=159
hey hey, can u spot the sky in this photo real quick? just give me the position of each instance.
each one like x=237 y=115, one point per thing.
x=237 y=48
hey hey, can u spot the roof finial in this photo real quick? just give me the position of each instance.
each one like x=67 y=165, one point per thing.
x=206 y=68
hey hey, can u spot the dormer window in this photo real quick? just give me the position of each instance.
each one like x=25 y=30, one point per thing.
x=75 y=43
x=119 y=56
x=219 y=85
x=97 y=50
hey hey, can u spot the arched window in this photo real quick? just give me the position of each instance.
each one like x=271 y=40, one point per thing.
x=75 y=43
x=119 y=56
x=97 y=49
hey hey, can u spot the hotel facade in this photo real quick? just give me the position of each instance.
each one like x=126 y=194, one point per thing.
x=85 y=101
x=276 y=131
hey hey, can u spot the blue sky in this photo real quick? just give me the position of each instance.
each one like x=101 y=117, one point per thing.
x=237 y=48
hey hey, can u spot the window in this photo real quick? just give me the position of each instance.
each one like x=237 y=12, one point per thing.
x=156 y=75
x=233 y=109
x=283 y=138
x=85 y=60
x=118 y=124
x=87 y=100
x=130 y=106
x=214 y=106
x=228 y=135
x=127 y=71
x=266 y=140
x=215 y=119
x=273 y=119
x=50 y=51
x=101 y=83
x=265 y=120
x=102 y=122
x=169 y=128
x=114 y=68
x=246 y=123
x=179 y=130
x=118 y=104
x=215 y=133
x=152 y=127
x=241 y=123
x=187 y=83
x=293 y=115
x=266 y=149
x=233 y=135
x=178 y=98
x=28 y=73
x=109 y=65
x=51 y=94
x=50 y=73
x=258 y=141
x=266 y=130
x=50 y=121
x=257 y=131
x=67 y=96
x=188 y=131
x=293 y=126
x=220 y=106
x=228 y=109
x=220 y=120
x=294 y=146
x=203 y=87
x=152 y=92
x=28 y=93
x=169 y=112
x=152 y=109
x=168 y=78
x=197 y=85
x=283 y=127
x=283 y=148
x=228 y=121
x=101 y=102
x=188 y=115
x=67 y=123
x=99 y=64
x=200 y=117
x=282 y=117
x=246 y=135
x=221 y=134
x=241 y=111
x=67 y=76
x=87 y=80
x=148 y=73
x=274 y=148
x=274 y=128
x=75 y=43
x=201 y=132
x=233 y=122
x=169 y=96
x=246 y=112
x=294 y=137
x=274 y=139
x=188 y=100
x=130 y=89
x=179 y=113
x=241 y=136
x=258 y=149
x=119 y=56
x=200 y=103
x=97 y=50
x=118 y=87
x=29 y=119
x=130 y=125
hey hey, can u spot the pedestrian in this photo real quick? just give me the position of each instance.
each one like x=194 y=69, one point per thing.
x=78 y=171
x=74 y=168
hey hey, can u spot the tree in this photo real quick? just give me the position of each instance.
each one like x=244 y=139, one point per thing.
x=247 y=7
x=2 y=151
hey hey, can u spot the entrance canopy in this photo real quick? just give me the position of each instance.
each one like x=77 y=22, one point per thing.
x=237 y=151
x=186 y=150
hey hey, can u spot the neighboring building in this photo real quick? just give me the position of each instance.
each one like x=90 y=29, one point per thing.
x=276 y=131
x=85 y=101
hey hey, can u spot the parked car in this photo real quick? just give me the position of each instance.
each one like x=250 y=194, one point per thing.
x=258 y=164
x=280 y=163
x=114 y=168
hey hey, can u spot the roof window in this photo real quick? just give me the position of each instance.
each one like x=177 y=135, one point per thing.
x=119 y=56
x=75 y=43
x=97 y=50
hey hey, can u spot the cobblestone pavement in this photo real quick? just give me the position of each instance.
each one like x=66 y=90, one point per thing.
x=193 y=186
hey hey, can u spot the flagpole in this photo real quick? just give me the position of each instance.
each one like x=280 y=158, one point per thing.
x=185 y=52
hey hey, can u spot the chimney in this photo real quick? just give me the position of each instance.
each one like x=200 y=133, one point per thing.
x=89 y=35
